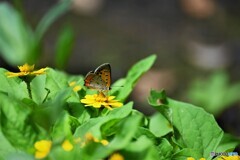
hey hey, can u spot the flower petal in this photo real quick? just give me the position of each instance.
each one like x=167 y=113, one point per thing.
x=111 y=98
x=43 y=145
x=67 y=146
x=39 y=72
x=97 y=105
x=42 y=148
x=99 y=100
x=115 y=104
x=18 y=74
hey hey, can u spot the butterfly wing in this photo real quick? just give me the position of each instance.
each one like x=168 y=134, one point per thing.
x=94 y=81
x=104 y=71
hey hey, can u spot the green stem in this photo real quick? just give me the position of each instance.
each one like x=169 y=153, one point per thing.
x=27 y=80
x=48 y=91
x=29 y=89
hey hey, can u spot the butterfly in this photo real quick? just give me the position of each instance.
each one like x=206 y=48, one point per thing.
x=100 y=79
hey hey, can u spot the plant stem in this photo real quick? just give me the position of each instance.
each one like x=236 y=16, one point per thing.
x=29 y=89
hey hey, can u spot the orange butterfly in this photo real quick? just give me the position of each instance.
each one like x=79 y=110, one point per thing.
x=100 y=79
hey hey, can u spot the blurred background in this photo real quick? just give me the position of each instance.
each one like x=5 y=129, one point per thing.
x=197 y=43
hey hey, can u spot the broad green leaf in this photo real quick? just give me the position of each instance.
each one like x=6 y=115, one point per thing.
x=64 y=47
x=47 y=114
x=63 y=128
x=16 y=124
x=159 y=125
x=228 y=143
x=5 y=146
x=58 y=153
x=110 y=127
x=187 y=152
x=94 y=151
x=194 y=128
x=39 y=92
x=133 y=75
x=197 y=129
x=214 y=94
x=55 y=81
x=17 y=42
x=94 y=124
x=13 y=87
x=55 y=12
x=165 y=150
x=141 y=149
x=19 y=156
x=79 y=111
x=146 y=132
x=126 y=132
x=158 y=100
x=116 y=86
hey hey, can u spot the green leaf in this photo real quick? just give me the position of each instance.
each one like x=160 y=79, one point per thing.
x=214 y=94
x=158 y=100
x=13 y=87
x=187 y=152
x=5 y=145
x=141 y=149
x=165 y=150
x=78 y=110
x=17 y=42
x=94 y=151
x=126 y=132
x=159 y=125
x=64 y=47
x=195 y=128
x=58 y=153
x=51 y=16
x=38 y=89
x=94 y=124
x=145 y=132
x=16 y=124
x=19 y=156
x=55 y=81
x=228 y=143
x=133 y=75
x=62 y=128
x=47 y=114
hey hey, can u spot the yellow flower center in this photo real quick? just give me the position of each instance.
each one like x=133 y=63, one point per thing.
x=26 y=68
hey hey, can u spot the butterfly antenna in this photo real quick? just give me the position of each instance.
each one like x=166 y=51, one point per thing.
x=117 y=86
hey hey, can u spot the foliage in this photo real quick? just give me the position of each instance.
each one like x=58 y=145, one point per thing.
x=178 y=130
x=215 y=93
x=19 y=43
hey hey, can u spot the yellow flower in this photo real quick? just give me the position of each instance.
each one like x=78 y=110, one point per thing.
x=90 y=138
x=76 y=88
x=202 y=159
x=72 y=83
x=42 y=148
x=98 y=100
x=67 y=146
x=229 y=158
x=104 y=142
x=116 y=156
x=190 y=158
x=26 y=70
